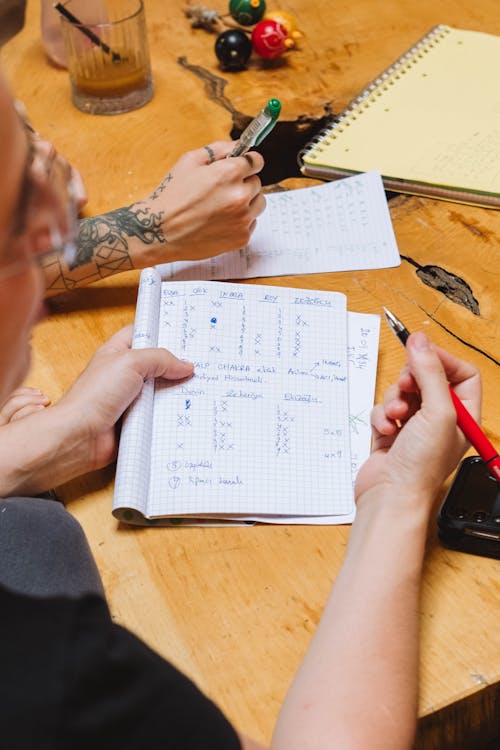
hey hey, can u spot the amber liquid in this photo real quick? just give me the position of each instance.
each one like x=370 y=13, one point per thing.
x=106 y=78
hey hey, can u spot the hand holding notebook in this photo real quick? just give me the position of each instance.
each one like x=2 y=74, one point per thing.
x=274 y=423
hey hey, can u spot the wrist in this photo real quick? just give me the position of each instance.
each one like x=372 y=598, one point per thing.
x=144 y=255
x=398 y=498
x=75 y=449
x=396 y=505
x=391 y=526
x=41 y=451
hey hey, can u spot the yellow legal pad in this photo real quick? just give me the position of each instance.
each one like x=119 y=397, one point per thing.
x=430 y=123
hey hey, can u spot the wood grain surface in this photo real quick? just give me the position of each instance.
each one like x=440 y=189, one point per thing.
x=235 y=608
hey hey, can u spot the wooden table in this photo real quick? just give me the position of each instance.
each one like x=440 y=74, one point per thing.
x=235 y=608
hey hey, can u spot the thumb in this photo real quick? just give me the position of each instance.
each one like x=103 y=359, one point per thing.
x=429 y=374
x=160 y=363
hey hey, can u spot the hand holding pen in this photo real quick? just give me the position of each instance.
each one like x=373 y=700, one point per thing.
x=416 y=443
x=465 y=420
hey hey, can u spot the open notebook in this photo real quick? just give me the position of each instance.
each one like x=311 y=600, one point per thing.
x=275 y=421
x=430 y=123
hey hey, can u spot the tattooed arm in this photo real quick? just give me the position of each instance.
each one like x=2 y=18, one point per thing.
x=200 y=209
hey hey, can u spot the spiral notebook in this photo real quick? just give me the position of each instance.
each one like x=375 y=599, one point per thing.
x=430 y=123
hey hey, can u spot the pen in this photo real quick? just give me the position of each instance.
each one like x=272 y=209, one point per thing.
x=257 y=130
x=465 y=420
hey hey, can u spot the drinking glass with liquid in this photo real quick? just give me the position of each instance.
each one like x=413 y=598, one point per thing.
x=107 y=56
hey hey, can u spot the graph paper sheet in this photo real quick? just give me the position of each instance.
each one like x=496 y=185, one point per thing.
x=343 y=225
x=362 y=354
x=262 y=429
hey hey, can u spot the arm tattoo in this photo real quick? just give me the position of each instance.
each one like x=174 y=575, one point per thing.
x=104 y=239
x=103 y=245
x=161 y=187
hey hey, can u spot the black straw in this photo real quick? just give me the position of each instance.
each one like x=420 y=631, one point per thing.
x=115 y=56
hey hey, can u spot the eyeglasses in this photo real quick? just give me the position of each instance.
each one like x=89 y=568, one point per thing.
x=46 y=217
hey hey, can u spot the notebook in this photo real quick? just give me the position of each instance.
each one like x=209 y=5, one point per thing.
x=430 y=123
x=274 y=423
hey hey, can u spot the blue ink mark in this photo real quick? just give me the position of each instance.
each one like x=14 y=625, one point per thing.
x=213 y=320
x=188 y=403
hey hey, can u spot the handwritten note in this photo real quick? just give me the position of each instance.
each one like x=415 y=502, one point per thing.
x=362 y=354
x=275 y=421
x=339 y=226
x=262 y=429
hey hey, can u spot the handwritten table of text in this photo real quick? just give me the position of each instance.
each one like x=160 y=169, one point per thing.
x=262 y=428
x=339 y=226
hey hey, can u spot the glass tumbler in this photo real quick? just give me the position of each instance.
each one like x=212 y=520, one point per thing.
x=107 y=55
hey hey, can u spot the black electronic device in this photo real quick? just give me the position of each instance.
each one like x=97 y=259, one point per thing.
x=469 y=518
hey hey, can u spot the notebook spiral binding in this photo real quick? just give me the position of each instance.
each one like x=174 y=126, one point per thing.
x=379 y=84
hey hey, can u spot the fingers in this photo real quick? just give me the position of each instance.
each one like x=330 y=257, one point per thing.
x=434 y=369
x=151 y=363
x=249 y=164
x=465 y=379
x=396 y=407
x=210 y=152
x=384 y=430
x=257 y=205
x=457 y=370
x=25 y=390
x=160 y=363
x=428 y=371
x=253 y=186
x=22 y=402
x=25 y=411
x=254 y=162
x=381 y=422
x=243 y=166
x=425 y=380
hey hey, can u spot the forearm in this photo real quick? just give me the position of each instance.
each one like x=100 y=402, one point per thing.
x=357 y=686
x=200 y=209
x=39 y=452
x=120 y=240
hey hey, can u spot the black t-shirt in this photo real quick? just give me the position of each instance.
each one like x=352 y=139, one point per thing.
x=72 y=679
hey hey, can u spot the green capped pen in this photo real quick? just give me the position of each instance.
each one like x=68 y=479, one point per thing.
x=257 y=130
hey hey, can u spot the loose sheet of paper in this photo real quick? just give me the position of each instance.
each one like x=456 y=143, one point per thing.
x=339 y=226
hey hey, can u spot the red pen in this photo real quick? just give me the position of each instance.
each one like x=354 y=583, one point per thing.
x=465 y=420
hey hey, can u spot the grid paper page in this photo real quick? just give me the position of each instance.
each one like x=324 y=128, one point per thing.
x=339 y=226
x=263 y=426
x=362 y=353
x=133 y=464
